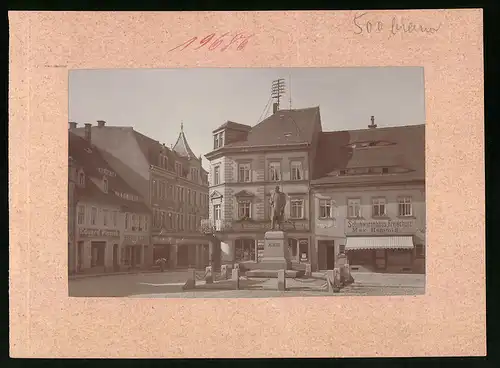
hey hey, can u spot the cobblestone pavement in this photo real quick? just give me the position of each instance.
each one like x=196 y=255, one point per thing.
x=169 y=285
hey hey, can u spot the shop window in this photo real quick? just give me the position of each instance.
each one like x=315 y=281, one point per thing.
x=293 y=247
x=341 y=248
x=378 y=207
x=354 y=207
x=244 y=250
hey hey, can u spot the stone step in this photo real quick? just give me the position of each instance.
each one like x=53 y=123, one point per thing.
x=273 y=273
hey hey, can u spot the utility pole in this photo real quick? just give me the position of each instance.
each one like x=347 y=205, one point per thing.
x=278 y=90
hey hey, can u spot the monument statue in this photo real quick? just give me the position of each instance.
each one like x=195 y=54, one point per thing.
x=278 y=202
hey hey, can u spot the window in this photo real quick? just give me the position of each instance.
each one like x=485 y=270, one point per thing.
x=342 y=172
x=341 y=248
x=296 y=170
x=216 y=175
x=244 y=209
x=93 y=216
x=162 y=219
x=105 y=184
x=404 y=206
x=218 y=140
x=354 y=207
x=146 y=220
x=325 y=208
x=244 y=250
x=194 y=197
x=194 y=174
x=178 y=168
x=163 y=161
x=297 y=208
x=140 y=222
x=385 y=170
x=81 y=179
x=115 y=218
x=105 y=217
x=217 y=212
x=378 y=206
x=274 y=171
x=154 y=194
x=81 y=215
x=126 y=221
x=189 y=196
x=162 y=190
x=244 y=172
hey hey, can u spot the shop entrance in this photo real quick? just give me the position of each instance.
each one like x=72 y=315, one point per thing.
x=182 y=256
x=97 y=254
x=116 y=263
x=330 y=255
x=79 y=260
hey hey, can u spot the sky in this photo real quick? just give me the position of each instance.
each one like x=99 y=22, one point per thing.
x=156 y=101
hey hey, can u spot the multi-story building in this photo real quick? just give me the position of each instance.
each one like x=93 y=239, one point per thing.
x=368 y=195
x=246 y=165
x=112 y=221
x=173 y=183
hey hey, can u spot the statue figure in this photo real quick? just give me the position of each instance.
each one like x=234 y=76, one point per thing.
x=278 y=202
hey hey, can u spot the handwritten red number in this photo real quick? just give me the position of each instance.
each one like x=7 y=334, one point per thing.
x=235 y=38
x=243 y=43
x=205 y=40
x=218 y=42
x=185 y=44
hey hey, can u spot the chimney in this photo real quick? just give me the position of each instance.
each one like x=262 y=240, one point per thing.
x=101 y=123
x=372 y=125
x=72 y=125
x=88 y=130
x=275 y=107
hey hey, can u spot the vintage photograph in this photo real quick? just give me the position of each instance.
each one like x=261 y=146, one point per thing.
x=246 y=182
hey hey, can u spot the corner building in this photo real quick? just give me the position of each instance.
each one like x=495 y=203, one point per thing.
x=246 y=165
x=368 y=197
x=173 y=183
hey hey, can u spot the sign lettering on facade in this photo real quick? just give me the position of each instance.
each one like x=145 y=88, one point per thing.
x=274 y=245
x=106 y=172
x=98 y=233
x=379 y=227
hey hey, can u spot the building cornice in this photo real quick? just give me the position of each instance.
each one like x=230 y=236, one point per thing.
x=348 y=185
x=223 y=151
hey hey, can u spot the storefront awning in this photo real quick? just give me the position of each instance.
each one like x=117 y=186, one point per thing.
x=379 y=242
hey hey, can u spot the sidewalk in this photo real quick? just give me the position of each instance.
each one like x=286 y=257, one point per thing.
x=131 y=272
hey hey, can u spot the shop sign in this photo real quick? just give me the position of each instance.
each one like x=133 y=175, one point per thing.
x=98 y=233
x=106 y=172
x=135 y=239
x=163 y=240
x=379 y=227
x=264 y=226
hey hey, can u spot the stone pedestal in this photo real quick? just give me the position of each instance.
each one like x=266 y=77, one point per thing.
x=276 y=255
x=236 y=278
x=281 y=280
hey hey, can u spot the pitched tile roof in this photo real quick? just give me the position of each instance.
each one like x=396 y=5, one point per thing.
x=284 y=127
x=402 y=147
x=233 y=125
x=90 y=158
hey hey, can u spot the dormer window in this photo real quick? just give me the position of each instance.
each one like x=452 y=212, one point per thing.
x=218 y=140
x=178 y=168
x=105 y=184
x=163 y=161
